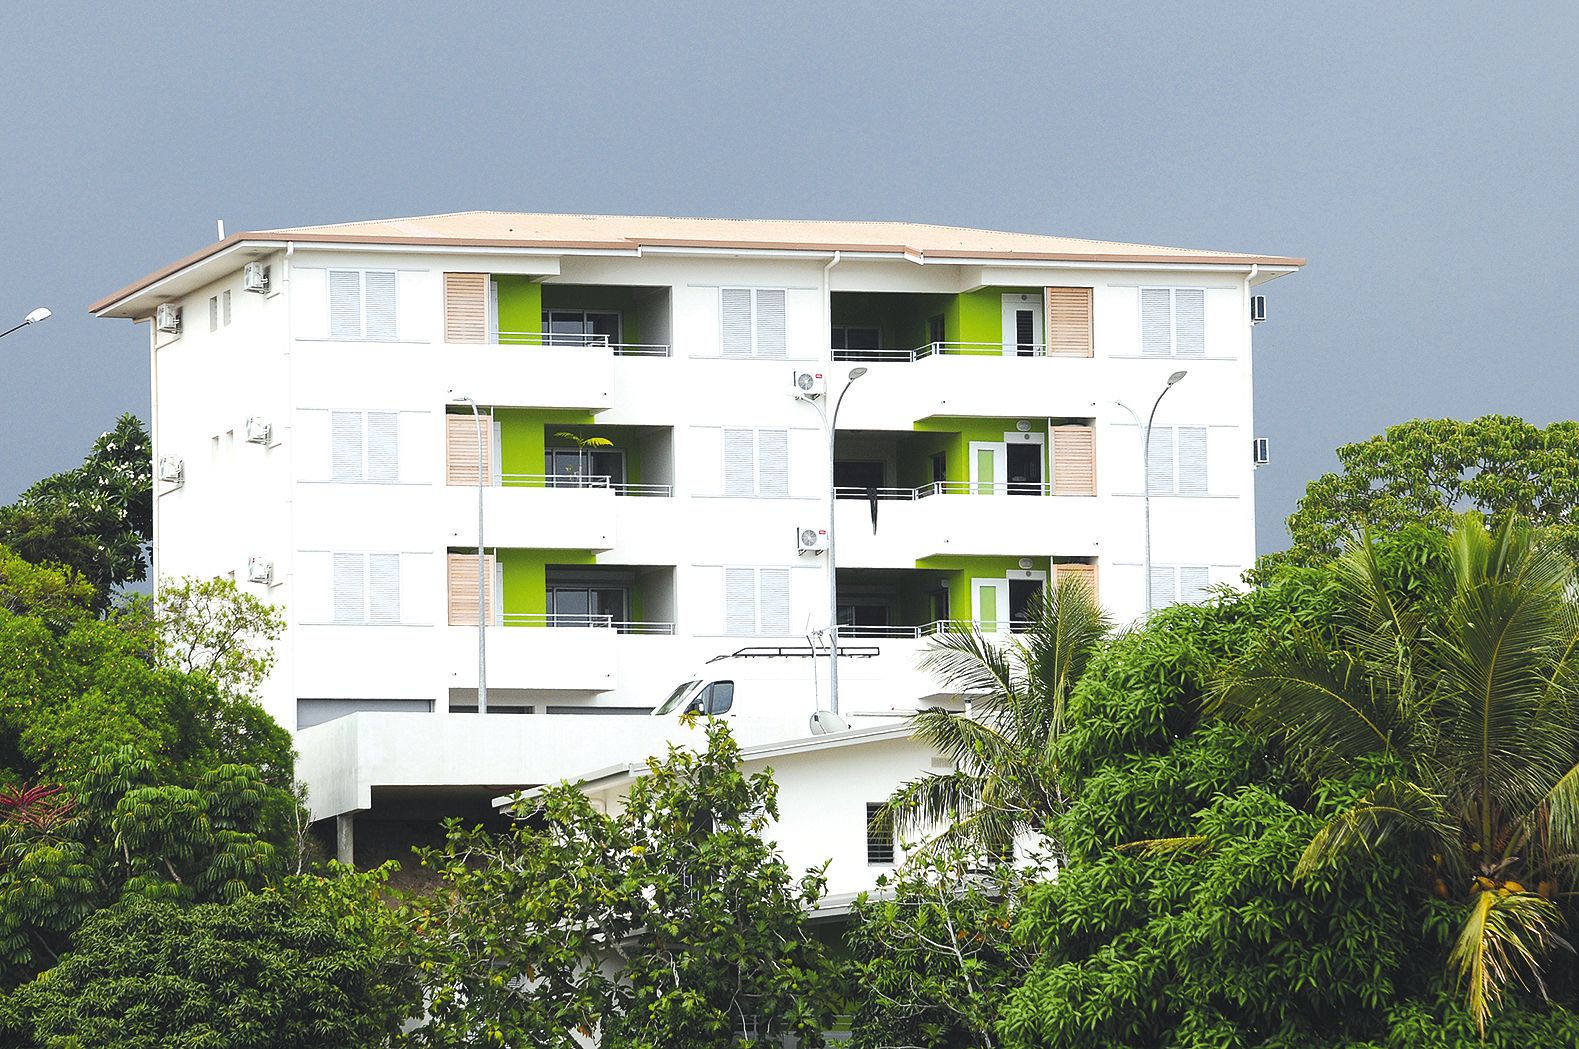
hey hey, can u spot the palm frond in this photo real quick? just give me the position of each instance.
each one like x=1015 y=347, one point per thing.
x=1393 y=807
x=1151 y=847
x=1561 y=809
x=923 y=805
x=974 y=665
x=1505 y=939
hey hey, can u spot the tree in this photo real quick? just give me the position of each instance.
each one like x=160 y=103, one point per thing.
x=670 y=923
x=1461 y=706
x=933 y=955
x=264 y=971
x=1006 y=782
x=210 y=627
x=1426 y=470
x=97 y=519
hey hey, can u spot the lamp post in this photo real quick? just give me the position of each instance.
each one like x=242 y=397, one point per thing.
x=830 y=422
x=483 y=613
x=36 y=317
x=1145 y=471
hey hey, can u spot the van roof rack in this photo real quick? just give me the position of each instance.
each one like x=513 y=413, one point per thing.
x=796 y=651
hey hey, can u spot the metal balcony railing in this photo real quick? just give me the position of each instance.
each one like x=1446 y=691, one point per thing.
x=948 y=488
x=586 y=339
x=940 y=626
x=602 y=481
x=945 y=349
x=557 y=620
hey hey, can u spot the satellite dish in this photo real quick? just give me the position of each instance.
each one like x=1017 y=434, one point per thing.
x=825 y=722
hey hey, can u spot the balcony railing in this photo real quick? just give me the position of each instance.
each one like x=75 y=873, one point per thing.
x=515 y=480
x=947 y=488
x=586 y=339
x=945 y=349
x=940 y=626
x=584 y=622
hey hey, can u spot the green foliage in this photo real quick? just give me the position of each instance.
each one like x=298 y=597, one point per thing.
x=932 y=953
x=677 y=893
x=279 y=970
x=209 y=627
x=1425 y=470
x=95 y=520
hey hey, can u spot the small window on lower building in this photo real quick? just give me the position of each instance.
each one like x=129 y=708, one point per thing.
x=879 y=841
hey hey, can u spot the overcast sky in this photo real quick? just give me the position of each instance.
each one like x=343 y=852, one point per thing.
x=1420 y=155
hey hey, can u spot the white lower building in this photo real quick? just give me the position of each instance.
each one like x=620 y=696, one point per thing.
x=640 y=406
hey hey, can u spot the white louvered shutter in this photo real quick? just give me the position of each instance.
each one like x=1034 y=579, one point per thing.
x=383 y=447
x=345 y=304
x=379 y=293
x=1189 y=322
x=1192 y=460
x=773 y=463
x=740 y=601
x=345 y=453
x=1159 y=472
x=740 y=462
x=350 y=588
x=1162 y=592
x=383 y=588
x=1156 y=322
x=1193 y=581
x=736 y=321
x=770 y=322
x=773 y=594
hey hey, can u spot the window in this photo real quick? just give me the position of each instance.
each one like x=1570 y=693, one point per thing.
x=1173 y=322
x=224 y=302
x=1177 y=461
x=752 y=322
x=578 y=467
x=580 y=328
x=1179 y=584
x=213 y=313
x=879 y=838
x=365 y=446
x=757 y=601
x=366 y=588
x=717 y=698
x=756 y=463
x=587 y=605
x=362 y=305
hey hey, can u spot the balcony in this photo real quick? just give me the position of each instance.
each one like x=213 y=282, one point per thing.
x=606 y=319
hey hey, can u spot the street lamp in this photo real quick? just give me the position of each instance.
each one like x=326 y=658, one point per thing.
x=1145 y=471
x=37 y=316
x=483 y=614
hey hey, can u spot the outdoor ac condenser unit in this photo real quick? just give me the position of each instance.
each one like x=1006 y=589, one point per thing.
x=172 y=469
x=259 y=430
x=167 y=318
x=811 y=540
x=810 y=384
x=260 y=570
x=255 y=277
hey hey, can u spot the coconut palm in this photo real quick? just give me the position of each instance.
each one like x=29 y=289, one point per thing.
x=1469 y=698
x=1004 y=783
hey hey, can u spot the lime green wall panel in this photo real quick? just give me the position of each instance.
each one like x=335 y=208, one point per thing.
x=521 y=433
x=525 y=586
x=962 y=569
x=520 y=305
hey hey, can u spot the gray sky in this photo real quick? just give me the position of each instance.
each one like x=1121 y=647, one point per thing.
x=1420 y=155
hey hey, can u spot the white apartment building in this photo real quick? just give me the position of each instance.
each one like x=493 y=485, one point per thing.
x=326 y=398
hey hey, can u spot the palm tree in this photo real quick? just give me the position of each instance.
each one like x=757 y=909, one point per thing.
x=582 y=444
x=1470 y=696
x=1005 y=782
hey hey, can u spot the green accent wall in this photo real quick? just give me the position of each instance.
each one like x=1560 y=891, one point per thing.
x=520 y=306
x=621 y=440
x=962 y=569
x=521 y=433
x=952 y=435
x=619 y=300
x=525 y=586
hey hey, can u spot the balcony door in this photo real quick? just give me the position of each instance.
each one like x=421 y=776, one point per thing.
x=988 y=468
x=578 y=467
x=572 y=606
x=1022 y=325
x=581 y=327
x=989 y=604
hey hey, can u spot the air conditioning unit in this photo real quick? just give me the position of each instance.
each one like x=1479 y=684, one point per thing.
x=1257 y=309
x=811 y=540
x=260 y=570
x=810 y=384
x=167 y=318
x=172 y=469
x=1260 y=451
x=259 y=430
x=255 y=277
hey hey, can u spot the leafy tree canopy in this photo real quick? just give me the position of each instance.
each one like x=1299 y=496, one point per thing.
x=1426 y=470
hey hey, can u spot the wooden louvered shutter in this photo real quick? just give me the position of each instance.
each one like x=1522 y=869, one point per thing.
x=1156 y=322
x=736 y=321
x=460 y=449
x=1069 y=322
x=740 y=601
x=379 y=295
x=463 y=588
x=773 y=463
x=1189 y=322
x=345 y=304
x=466 y=307
x=1074 y=460
x=1159 y=474
x=1086 y=573
x=770 y=323
x=1192 y=460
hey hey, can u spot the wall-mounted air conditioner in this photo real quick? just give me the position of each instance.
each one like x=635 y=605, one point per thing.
x=255 y=277
x=1257 y=309
x=1260 y=451
x=259 y=430
x=260 y=570
x=810 y=384
x=172 y=469
x=167 y=318
x=811 y=540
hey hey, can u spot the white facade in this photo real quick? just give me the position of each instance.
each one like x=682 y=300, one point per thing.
x=615 y=574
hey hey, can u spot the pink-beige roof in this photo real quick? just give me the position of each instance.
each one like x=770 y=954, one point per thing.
x=507 y=229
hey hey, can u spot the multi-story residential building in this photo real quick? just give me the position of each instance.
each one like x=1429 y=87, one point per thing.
x=326 y=401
